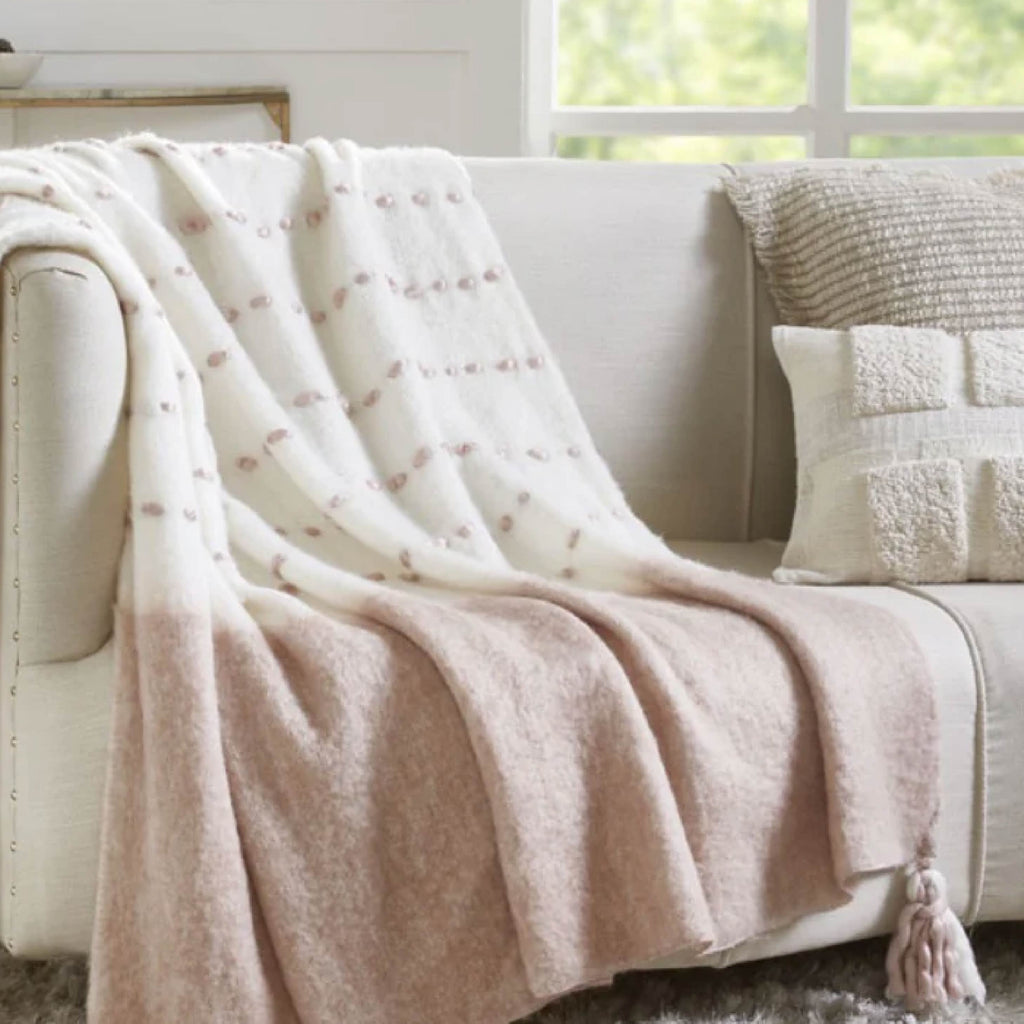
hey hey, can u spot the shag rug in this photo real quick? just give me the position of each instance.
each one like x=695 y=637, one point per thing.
x=842 y=985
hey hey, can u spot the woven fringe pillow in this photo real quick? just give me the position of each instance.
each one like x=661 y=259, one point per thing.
x=910 y=452
x=852 y=245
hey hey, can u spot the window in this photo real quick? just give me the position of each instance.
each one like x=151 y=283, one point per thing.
x=744 y=80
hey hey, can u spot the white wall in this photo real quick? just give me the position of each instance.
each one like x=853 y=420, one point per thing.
x=440 y=72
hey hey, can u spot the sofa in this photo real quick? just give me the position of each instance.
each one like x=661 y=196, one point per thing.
x=647 y=289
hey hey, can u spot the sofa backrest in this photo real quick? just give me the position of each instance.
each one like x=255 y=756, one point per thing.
x=643 y=282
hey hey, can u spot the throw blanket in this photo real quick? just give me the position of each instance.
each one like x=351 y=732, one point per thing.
x=415 y=721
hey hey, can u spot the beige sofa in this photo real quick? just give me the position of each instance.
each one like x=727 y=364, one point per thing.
x=647 y=290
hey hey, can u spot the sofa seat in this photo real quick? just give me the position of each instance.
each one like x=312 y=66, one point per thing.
x=973 y=639
x=981 y=831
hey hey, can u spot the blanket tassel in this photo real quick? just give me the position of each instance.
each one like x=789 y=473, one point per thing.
x=930 y=962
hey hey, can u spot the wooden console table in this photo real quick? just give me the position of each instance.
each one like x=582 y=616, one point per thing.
x=274 y=99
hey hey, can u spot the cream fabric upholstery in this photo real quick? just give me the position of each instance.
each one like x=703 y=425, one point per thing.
x=991 y=616
x=641 y=287
x=641 y=279
x=68 y=452
x=63 y=716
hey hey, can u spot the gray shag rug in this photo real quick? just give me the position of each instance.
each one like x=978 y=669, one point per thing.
x=842 y=985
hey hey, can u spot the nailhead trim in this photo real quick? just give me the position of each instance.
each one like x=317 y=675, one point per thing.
x=15 y=478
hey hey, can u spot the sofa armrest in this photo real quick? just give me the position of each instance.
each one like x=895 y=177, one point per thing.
x=63 y=457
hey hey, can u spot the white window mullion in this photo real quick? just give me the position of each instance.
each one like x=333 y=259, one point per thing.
x=828 y=73
x=681 y=121
x=541 y=75
x=935 y=120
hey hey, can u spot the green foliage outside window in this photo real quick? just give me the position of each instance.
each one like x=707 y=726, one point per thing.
x=753 y=53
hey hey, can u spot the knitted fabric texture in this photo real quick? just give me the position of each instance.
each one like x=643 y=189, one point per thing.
x=843 y=246
x=414 y=720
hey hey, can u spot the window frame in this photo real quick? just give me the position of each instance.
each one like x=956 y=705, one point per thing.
x=826 y=122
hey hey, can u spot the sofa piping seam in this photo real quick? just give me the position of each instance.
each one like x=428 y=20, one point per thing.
x=36 y=271
x=980 y=748
x=750 y=447
x=753 y=387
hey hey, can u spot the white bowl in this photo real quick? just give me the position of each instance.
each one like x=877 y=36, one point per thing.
x=17 y=68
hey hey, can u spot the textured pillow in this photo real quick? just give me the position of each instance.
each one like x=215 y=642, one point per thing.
x=910 y=452
x=874 y=245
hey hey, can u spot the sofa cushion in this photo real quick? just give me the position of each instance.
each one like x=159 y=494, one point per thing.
x=67 y=710
x=877 y=898
x=639 y=280
x=975 y=647
x=991 y=616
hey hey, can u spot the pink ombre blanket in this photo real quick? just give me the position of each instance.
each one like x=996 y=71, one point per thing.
x=415 y=722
